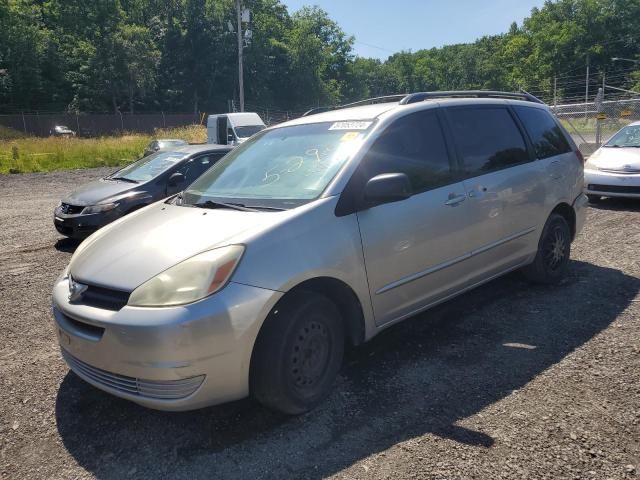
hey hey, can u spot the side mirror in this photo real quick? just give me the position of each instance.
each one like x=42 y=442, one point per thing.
x=176 y=179
x=230 y=139
x=387 y=188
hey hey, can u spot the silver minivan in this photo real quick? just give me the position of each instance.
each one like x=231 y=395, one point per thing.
x=313 y=234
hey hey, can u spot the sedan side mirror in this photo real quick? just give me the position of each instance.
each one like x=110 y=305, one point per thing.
x=176 y=179
x=387 y=188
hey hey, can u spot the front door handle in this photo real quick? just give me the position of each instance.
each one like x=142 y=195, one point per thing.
x=455 y=199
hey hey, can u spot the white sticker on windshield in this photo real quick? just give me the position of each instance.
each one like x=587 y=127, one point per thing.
x=350 y=126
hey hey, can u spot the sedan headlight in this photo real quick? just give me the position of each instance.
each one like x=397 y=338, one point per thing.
x=189 y=281
x=104 y=207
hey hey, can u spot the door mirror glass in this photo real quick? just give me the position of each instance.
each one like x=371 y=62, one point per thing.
x=387 y=188
x=176 y=179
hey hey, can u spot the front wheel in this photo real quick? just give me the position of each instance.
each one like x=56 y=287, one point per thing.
x=554 y=249
x=298 y=353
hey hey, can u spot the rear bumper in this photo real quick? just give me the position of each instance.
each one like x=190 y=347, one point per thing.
x=178 y=358
x=610 y=184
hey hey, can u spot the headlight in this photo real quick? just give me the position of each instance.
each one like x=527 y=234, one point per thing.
x=189 y=281
x=105 y=207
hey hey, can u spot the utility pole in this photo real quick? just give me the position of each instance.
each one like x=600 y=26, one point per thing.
x=240 y=67
x=555 y=92
x=586 y=95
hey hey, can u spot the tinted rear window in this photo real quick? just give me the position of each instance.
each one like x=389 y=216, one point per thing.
x=487 y=139
x=547 y=137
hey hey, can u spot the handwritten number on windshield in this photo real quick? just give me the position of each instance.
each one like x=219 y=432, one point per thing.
x=293 y=164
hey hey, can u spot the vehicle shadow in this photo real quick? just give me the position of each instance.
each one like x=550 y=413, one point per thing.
x=67 y=245
x=422 y=376
x=618 y=204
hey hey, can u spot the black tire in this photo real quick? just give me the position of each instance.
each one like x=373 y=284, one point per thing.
x=594 y=198
x=298 y=353
x=554 y=250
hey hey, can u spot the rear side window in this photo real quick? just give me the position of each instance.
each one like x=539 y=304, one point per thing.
x=546 y=136
x=487 y=139
x=413 y=145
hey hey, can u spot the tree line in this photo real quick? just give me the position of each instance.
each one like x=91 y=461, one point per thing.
x=181 y=56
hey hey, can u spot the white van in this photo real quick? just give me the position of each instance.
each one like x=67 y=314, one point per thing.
x=233 y=128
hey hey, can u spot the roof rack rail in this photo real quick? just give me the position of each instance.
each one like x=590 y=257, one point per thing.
x=422 y=96
x=368 y=101
x=407 y=99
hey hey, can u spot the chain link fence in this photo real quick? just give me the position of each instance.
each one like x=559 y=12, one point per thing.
x=592 y=124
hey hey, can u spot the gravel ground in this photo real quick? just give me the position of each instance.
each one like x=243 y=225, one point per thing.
x=508 y=381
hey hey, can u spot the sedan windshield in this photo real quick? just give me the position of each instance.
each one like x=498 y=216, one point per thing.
x=627 y=137
x=149 y=167
x=283 y=168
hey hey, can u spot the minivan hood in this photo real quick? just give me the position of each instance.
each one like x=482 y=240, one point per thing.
x=130 y=251
x=623 y=158
x=98 y=191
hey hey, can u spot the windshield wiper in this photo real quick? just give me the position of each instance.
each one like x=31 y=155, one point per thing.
x=124 y=179
x=235 y=206
x=263 y=207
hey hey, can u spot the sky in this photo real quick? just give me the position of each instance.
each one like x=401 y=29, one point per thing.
x=384 y=27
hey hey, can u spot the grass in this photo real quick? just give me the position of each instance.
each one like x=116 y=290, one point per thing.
x=20 y=154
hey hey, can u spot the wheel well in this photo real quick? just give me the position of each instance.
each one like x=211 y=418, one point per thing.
x=569 y=215
x=344 y=298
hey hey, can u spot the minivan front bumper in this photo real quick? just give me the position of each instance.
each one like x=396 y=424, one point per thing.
x=178 y=358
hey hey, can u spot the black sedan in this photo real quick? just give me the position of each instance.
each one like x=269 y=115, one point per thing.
x=137 y=185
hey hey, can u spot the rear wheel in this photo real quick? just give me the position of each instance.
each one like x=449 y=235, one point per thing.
x=594 y=198
x=298 y=353
x=554 y=249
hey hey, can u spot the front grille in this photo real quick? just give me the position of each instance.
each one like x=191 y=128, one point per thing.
x=164 y=390
x=105 y=298
x=614 y=188
x=69 y=209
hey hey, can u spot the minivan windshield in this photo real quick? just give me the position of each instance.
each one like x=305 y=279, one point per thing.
x=148 y=167
x=627 y=137
x=247 y=131
x=281 y=168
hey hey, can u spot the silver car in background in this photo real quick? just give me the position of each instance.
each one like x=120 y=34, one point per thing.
x=318 y=232
x=614 y=169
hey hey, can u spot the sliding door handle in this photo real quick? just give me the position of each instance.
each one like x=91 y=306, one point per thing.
x=455 y=200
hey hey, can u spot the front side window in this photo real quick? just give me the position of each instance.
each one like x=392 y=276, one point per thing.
x=284 y=167
x=545 y=134
x=413 y=145
x=196 y=167
x=247 y=131
x=487 y=139
x=627 y=137
x=149 y=167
